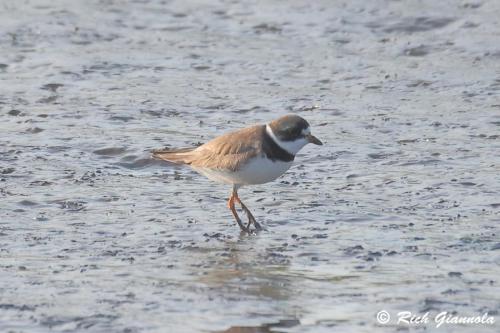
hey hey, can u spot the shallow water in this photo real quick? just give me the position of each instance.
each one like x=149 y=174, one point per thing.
x=399 y=210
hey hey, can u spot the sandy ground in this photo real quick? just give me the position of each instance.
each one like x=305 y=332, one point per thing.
x=398 y=211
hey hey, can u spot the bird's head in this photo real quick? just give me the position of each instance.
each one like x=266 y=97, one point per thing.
x=292 y=133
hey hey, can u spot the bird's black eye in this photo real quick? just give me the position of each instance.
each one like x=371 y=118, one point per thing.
x=295 y=132
x=290 y=133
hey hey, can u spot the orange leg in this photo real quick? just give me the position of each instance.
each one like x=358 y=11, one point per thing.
x=230 y=204
x=251 y=218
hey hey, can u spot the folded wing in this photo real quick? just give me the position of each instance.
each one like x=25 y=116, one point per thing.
x=226 y=152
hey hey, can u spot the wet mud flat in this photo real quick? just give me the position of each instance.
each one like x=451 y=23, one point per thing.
x=398 y=211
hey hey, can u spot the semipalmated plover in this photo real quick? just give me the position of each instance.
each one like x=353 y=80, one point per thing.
x=252 y=155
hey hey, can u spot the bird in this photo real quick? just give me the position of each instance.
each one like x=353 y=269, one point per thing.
x=253 y=155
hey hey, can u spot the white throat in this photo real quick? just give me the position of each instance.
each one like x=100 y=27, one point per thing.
x=292 y=147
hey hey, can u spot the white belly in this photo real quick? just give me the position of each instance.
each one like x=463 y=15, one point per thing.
x=257 y=171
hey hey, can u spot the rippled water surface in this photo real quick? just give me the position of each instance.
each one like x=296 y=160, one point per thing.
x=399 y=210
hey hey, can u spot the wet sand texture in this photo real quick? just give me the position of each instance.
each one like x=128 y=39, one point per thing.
x=399 y=210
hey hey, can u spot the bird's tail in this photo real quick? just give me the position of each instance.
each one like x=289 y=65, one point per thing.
x=178 y=156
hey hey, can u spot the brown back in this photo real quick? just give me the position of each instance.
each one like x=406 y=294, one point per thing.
x=229 y=151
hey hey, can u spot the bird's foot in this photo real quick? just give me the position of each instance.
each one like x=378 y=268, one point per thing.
x=240 y=223
x=257 y=225
x=251 y=219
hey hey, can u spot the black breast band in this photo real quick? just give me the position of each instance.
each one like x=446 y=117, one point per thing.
x=273 y=151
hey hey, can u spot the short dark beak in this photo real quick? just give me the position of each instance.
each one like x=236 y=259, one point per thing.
x=312 y=139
